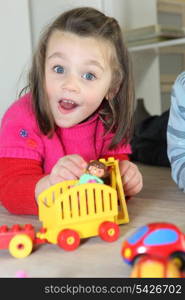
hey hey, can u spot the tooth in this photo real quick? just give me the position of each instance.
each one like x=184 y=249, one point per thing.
x=68 y=101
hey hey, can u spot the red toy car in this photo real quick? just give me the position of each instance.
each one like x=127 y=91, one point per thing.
x=163 y=240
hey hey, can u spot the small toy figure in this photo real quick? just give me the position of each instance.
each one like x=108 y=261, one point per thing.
x=94 y=172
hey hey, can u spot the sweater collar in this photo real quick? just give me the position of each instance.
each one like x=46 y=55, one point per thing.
x=84 y=129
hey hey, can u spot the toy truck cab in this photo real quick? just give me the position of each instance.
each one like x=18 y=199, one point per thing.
x=70 y=212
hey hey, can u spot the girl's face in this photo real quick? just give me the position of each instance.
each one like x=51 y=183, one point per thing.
x=77 y=76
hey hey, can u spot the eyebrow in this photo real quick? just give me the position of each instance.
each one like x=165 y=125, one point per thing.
x=88 y=62
x=56 y=54
x=95 y=63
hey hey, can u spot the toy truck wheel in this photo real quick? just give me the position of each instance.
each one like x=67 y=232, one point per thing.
x=20 y=246
x=68 y=239
x=109 y=231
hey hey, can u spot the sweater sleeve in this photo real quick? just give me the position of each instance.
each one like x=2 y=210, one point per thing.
x=176 y=132
x=18 y=178
x=120 y=156
x=20 y=136
x=121 y=152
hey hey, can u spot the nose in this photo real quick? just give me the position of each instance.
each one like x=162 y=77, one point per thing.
x=71 y=83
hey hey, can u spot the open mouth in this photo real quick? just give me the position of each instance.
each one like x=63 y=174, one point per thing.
x=67 y=104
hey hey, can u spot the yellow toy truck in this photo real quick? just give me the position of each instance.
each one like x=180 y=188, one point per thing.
x=70 y=212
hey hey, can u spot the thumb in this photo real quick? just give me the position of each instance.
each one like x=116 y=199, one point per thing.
x=124 y=165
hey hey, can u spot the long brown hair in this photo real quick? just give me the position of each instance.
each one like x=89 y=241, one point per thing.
x=117 y=113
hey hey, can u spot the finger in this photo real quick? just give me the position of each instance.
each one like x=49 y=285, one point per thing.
x=72 y=168
x=65 y=173
x=78 y=160
x=134 y=183
x=130 y=174
x=134 y=190
x=124 y=166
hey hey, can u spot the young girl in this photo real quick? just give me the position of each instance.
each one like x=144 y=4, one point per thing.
x=79 y=108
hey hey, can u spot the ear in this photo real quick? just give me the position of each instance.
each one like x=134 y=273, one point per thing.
x=107 y=96
x=111 y=93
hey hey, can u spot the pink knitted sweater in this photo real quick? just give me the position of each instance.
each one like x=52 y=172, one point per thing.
x=20 y=137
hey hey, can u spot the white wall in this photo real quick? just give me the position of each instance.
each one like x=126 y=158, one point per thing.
x=147 y=81
x=44 y=12
x=15 y=49
x=116 y=9
x=140 y=13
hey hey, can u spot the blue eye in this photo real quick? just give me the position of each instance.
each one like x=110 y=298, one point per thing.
x=89 y=76
x=59 y=69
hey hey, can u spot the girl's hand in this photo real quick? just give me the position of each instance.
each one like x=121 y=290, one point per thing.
x=131 y=178
x=68 y=167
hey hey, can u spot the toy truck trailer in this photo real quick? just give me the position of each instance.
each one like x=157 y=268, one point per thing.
x=19 y=240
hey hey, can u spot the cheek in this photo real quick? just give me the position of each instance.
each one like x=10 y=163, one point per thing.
x=95 y=97
x=50 y=85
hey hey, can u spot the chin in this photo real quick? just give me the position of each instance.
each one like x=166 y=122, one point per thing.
x=65 y=124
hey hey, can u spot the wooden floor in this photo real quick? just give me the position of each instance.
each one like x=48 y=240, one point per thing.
x=160 y=200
